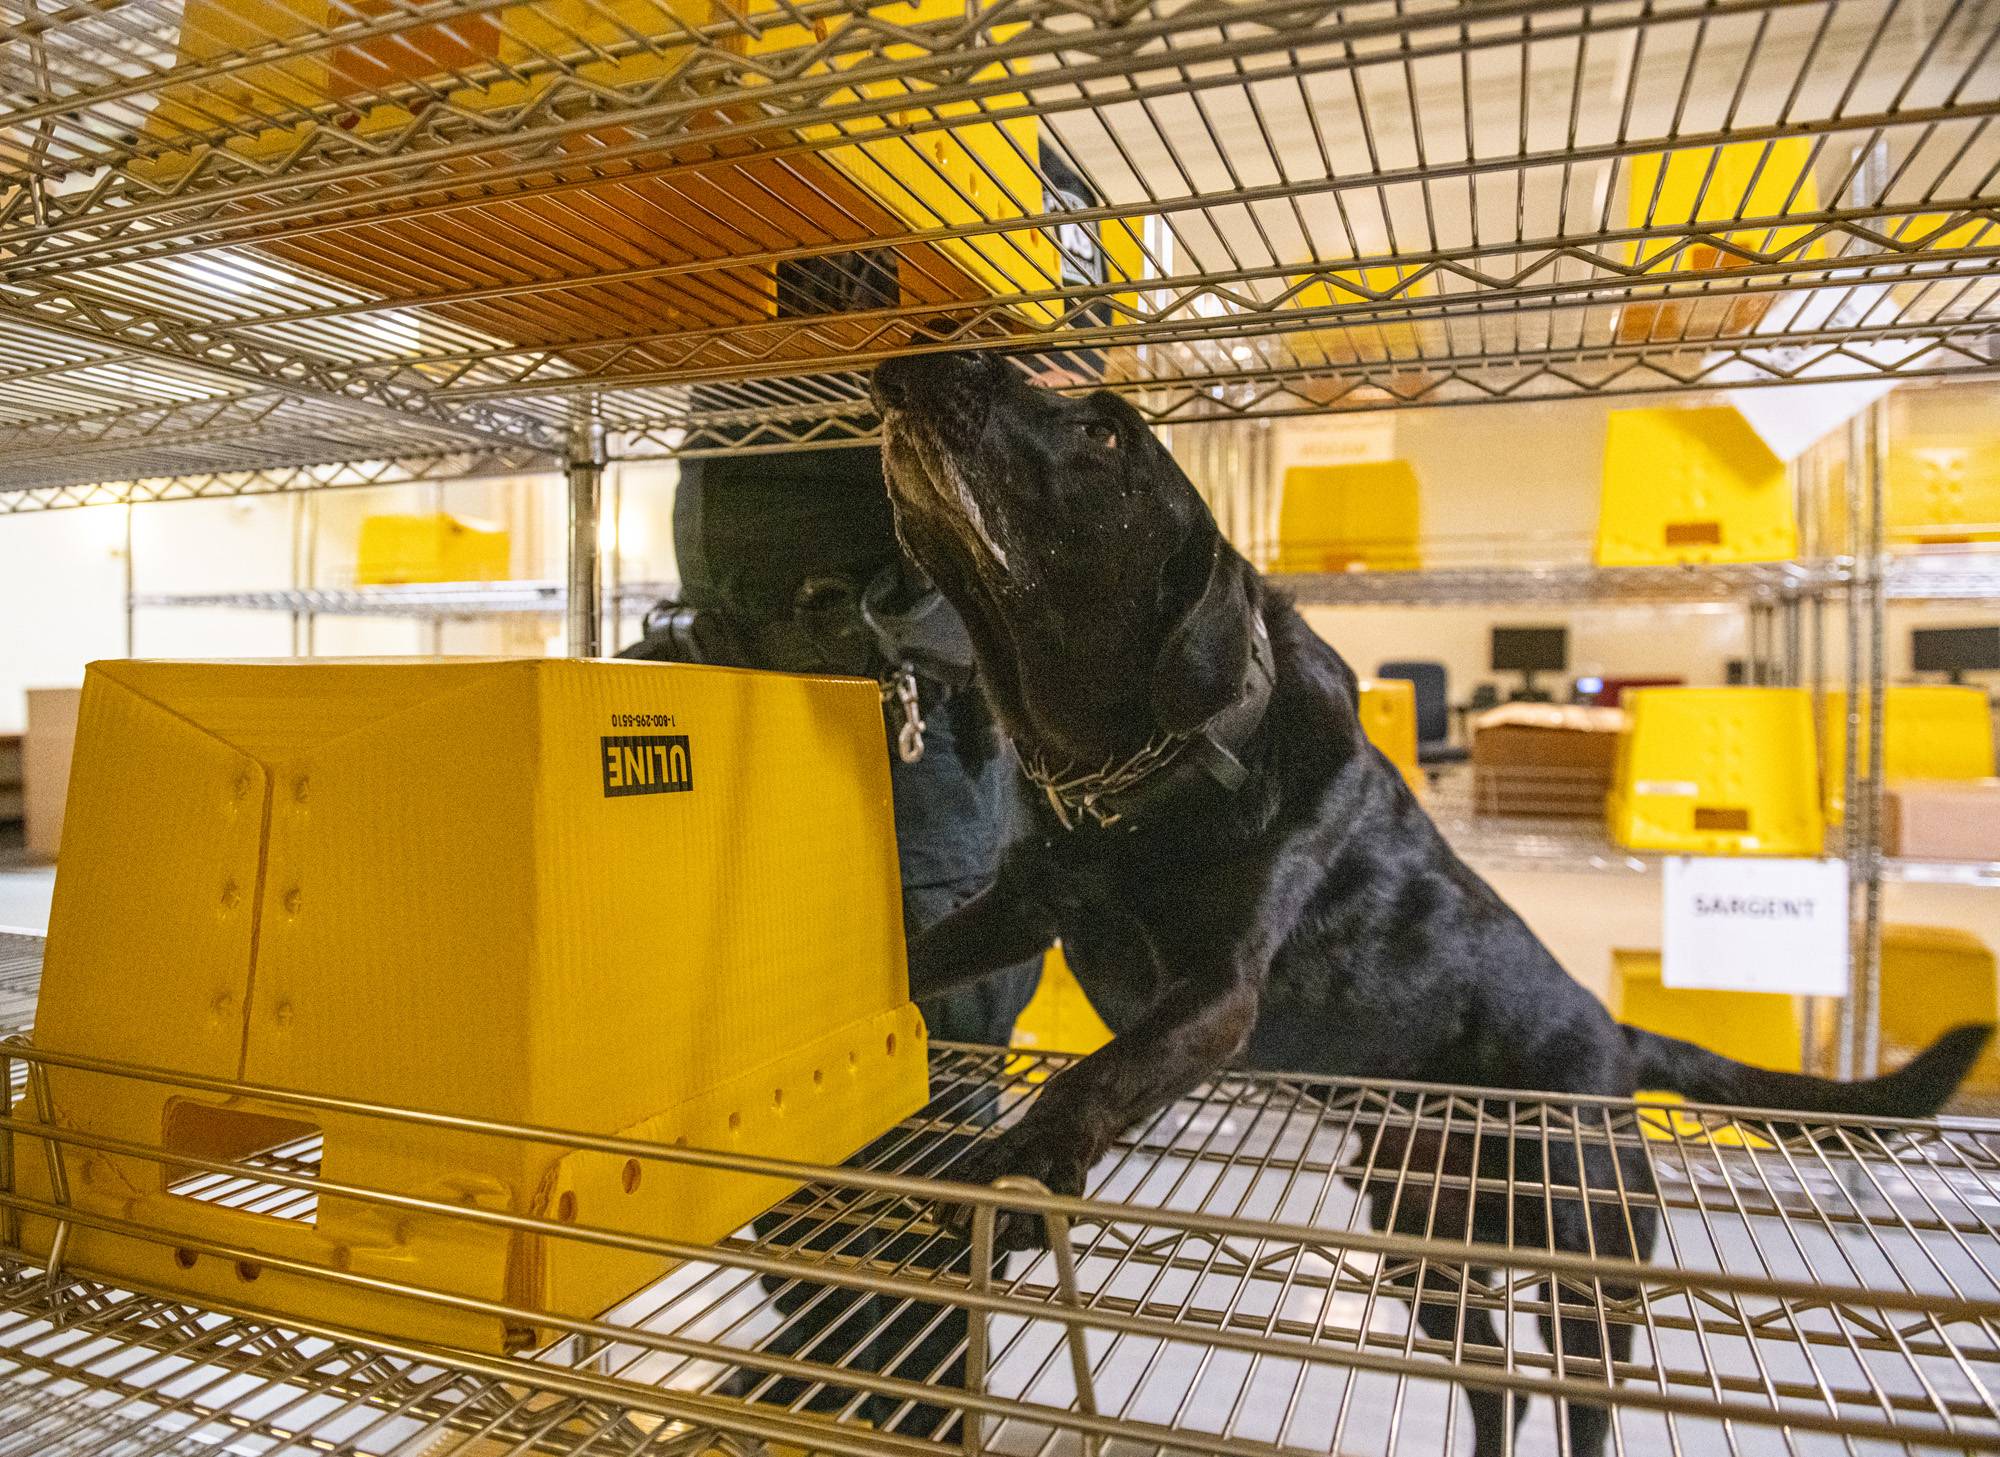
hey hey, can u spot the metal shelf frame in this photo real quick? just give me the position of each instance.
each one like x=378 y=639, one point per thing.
x=1218 y=1290
x=451 y=600
x=319 y=243
x=356 y=235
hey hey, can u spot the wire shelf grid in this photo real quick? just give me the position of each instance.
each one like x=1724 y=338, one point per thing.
x=1813 y=1288
x=471 y=222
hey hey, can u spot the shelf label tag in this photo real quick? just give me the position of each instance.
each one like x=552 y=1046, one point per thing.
x=1749 y=924
x=1358 y=439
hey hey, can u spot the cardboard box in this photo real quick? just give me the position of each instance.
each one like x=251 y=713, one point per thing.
x=45 y=761
x=1544 y=759
x=660 y=902
x=1942 y=819
x=11 y=798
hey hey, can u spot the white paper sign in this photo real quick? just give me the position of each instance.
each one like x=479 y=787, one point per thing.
x=1791 y=418
x=1748 y=924
x=1359 y=439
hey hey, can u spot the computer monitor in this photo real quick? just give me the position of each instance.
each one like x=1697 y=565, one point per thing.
x=1528 y=651
x=1955 y=651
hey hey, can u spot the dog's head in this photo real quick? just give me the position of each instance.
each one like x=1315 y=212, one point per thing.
x=1102 y=601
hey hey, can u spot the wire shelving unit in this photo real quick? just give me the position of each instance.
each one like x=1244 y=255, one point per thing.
x=244 y=240
x=307 y=244
x=1223 y=1293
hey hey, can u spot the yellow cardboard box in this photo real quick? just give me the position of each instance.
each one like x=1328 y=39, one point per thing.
x=621 y=898
x=438 y=547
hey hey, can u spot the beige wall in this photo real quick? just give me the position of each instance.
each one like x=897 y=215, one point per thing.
x=62 y=574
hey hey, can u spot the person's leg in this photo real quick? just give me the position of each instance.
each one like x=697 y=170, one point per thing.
x=918 y=1341
x=955 y=809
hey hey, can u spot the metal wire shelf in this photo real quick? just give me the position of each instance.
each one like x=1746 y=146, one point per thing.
x=461 y=226
x=1560 y=584
x=1928 y=575
x=1577 y=843
x=1223 y=1295
x=437 y=599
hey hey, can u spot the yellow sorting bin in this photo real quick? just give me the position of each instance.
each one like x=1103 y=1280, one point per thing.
x=1935 y=978
x=1764 y=1029
x=1059 y=1017
x=1943 y=479
x=1389 y=719
x=871 y=182
x=436 y=547
x=1341 y=518
x=615 y=898
x=1691 y=486
x=1761 y=181
x=1717 y=771
x=1929 y=731
x=1367 y=338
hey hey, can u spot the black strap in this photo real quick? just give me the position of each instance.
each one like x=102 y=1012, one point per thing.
x=928 y=635
x=1211 y=756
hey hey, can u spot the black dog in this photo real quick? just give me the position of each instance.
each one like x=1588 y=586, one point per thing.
x=1234 y=871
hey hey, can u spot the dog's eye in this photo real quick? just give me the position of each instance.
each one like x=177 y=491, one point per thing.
x=1102 y=433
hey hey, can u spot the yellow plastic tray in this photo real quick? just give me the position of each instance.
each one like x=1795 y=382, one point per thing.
x=1059 y=1017
x=1338 y=518
x=431 y=548
x=619 y=898
x=1691 y=485
x=1935 y=978
x=1389 y=718
x=1717 y=771
x=972 y=174
x=1762 y=180
x=1760 y=1028
x=1929 y=731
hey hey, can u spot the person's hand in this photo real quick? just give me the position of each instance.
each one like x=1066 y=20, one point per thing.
x=1055 y=377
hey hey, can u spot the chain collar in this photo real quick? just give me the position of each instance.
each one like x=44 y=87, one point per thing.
x=1078 y=796
x=1122 y=789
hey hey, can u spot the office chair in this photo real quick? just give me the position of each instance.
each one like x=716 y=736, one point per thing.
x=1427 y=680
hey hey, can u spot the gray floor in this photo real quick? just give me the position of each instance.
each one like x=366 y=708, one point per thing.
x=25 y=887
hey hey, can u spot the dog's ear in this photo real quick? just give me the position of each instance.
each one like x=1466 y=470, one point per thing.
x=1201 y=665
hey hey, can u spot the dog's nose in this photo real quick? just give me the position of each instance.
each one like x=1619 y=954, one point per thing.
x=890 y=384
x=909 y=379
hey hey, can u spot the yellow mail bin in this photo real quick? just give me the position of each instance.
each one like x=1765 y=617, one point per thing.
x=1694 y=185
x=1340 y=518
x=615 y=898
x=1929 y=731
x=1059 y=1017
x=1389 y=719
x=431 y=548
x=1366 y=338
x=1717 y=771
x=1943 y=481
x=870 y=182
x=1935 y=978
x=1764 y=1029
x=1693 y=485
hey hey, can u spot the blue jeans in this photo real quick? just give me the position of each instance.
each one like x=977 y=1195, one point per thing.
x=956 y=808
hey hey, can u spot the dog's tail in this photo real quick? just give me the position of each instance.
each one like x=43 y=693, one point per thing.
x=1916 y=1090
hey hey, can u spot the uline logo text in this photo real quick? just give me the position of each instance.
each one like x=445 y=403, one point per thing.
x=646 y=764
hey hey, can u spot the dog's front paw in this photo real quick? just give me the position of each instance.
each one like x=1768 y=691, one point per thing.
x=1046 y=1151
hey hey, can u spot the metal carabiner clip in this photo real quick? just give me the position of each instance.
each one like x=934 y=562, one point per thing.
x=910 y=737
